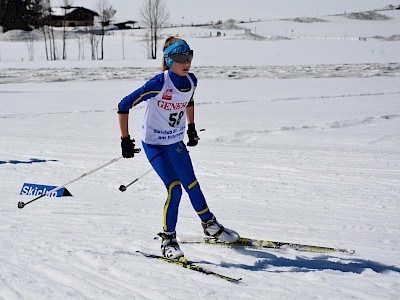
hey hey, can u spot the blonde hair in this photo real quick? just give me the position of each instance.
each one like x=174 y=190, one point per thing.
x=169 y=41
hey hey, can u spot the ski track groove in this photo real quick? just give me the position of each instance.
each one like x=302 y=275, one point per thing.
x=77 y=276
x=88 y=279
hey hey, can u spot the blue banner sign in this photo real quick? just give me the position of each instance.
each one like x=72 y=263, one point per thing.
x=35 y=190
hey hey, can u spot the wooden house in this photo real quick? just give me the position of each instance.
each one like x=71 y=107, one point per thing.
x=70 y=16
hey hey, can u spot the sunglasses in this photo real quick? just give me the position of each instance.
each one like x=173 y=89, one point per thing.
x=181 y=57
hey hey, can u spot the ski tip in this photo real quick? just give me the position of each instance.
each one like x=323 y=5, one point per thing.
x=238 y=281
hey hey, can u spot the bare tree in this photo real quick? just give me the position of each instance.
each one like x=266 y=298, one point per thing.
x=66 y=5
x=123 y=44
x=154 y=14
x=30 y=45
x=41 y=19
x=106 y=16
x=44 y=10
x=94 y=44
x=81 y=46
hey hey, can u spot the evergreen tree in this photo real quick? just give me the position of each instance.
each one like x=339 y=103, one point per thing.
x=14 y=14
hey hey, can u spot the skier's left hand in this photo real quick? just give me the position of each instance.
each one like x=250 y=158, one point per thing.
x=192 y=135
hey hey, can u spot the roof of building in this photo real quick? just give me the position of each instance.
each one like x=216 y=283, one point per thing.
x=60 y=11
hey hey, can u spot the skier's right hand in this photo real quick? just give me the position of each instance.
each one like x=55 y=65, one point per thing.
x=128 y=147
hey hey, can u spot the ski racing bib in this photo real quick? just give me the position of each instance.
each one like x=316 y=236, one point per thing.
x=165 y=117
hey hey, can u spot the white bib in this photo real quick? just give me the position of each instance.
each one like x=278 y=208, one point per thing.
x=165 y=117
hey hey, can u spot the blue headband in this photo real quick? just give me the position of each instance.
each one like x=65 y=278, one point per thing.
x=178 y=47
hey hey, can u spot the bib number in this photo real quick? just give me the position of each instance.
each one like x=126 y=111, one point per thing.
x=175 y=118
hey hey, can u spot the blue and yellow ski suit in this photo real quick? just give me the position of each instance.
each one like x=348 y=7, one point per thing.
x=171 y=161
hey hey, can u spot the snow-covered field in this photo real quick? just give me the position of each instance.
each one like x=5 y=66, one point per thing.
x=301 y=144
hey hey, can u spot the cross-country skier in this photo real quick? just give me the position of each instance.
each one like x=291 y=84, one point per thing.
x=169 y=98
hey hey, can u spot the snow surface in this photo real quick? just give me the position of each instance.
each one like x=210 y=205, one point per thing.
x=301 y=144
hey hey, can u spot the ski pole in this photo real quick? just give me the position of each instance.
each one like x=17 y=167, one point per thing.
x=22 y=204
x=123 y=188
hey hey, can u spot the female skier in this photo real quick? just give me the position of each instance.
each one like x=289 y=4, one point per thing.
x=169 y=97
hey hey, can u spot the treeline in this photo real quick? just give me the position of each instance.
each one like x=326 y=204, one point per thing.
x=21 y=14
x=36 y=14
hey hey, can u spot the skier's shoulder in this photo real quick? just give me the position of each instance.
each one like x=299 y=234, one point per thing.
x=194 y=78
x=155 y=83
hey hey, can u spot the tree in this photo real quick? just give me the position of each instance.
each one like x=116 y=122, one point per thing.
x=40 y=18
x=3 y=11
x=14 y=14
x=94 y=44
x=30 y=44
x=67 y=4
x=106 y=16
x=36 y=9
x=42 y=11
x=154 y=14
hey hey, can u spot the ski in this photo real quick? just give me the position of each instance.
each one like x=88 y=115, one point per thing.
x=189 y=265
x=261 y=244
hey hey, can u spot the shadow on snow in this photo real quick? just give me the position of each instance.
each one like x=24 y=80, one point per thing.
x=301 y=264
x=30 y=161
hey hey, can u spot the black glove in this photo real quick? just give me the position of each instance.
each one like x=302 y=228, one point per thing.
x=128 y=147
x=192 y=135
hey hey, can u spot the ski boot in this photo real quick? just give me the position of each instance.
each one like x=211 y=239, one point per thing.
x=214 y=229
x=170 y=247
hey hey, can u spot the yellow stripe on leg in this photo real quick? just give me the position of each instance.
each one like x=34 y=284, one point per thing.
x=203 y=211
x=171 y=186
x=193 y=184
